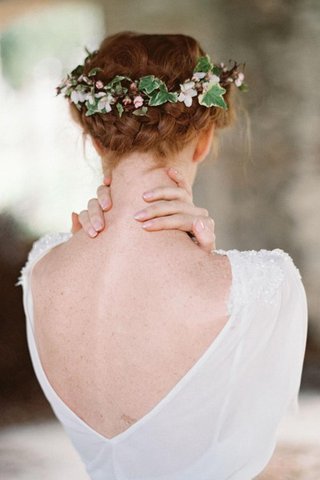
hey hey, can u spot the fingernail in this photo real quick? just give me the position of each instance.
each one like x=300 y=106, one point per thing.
x=148 y=195
x=199 y=225
x=140 y=215
x=97 y=225
x=147 y=224
x=92 y=232
x=174 y=170
x=104 y=203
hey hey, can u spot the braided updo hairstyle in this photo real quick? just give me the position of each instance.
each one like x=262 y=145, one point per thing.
x=165 y=129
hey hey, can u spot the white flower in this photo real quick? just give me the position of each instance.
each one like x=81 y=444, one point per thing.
x=99 y=84
x=100 y=94
x=213 y=79
x=239 y=80
x=138 y=101
x=105 y=102
x=78 y=96
x=187 y=92
x=198 y=75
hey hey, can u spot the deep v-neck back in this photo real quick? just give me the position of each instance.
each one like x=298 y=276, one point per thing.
x=47 y=245
x=220 y=420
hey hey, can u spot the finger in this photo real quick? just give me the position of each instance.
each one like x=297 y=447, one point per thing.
x=178 y=221
x=205 y=237
x=107 y=176
x=76 y=225
x=177 y=176
x=95 y=214
x=167 y=193
x=203 y=230
x=107 y=180
x=164 y=207
x=104 y=197
x=86 y=224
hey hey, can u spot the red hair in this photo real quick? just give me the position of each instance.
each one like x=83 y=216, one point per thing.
x=165 y=129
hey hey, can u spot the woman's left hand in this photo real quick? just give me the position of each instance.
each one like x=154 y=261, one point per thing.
x=172 y=208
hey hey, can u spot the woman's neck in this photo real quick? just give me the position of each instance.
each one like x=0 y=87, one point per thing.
x=132 y=177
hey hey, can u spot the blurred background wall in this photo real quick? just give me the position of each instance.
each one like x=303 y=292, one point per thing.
x=262 y=188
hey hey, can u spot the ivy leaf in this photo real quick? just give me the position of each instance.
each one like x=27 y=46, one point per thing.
x=120 y=90
x=68 y=91
x=213 y=97
x=116 y=80
x=162 y=96
x=149 y=83
x=119 y=108
x=244 y=87
x=91 y=110
x=93 y=71
x=140 y=111
x=204 y=64
x=216 y=70
x=76 y=72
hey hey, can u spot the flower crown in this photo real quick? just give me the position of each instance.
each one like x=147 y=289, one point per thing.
x=126 y=95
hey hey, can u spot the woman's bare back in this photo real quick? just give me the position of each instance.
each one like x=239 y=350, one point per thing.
x=120 y=319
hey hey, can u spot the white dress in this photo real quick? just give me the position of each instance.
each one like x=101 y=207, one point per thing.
x=220 y=420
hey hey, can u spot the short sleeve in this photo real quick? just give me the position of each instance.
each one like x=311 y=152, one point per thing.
x=294 y=316
x=266 y=381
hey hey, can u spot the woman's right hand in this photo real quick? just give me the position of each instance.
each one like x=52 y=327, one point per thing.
x=92 y=220
x=170 y=208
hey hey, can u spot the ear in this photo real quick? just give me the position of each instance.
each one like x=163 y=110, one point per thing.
x=203 y=144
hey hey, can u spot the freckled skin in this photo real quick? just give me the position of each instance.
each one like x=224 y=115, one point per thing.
x=120 y=319
x=126 y=329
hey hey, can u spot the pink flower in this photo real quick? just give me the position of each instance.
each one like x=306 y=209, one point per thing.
x=239 y=80
x=126 y=101
x=99 y=84
x=138 y=101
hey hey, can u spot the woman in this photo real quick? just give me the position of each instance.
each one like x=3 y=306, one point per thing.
x=161 y=359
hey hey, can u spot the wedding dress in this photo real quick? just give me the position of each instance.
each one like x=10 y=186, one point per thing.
x=220 y=420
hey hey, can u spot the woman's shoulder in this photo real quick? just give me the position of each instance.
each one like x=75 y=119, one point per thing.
x=40 y=247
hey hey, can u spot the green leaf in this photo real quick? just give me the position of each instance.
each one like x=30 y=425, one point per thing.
x=204 y=64
x=93 y=71
x=76 y=72
x=116 y=80
x=68 y=91
x=213 y=97
x=216 y=70
x=119 y=108
x=149 y=83
x=244 y=87
x=90 y=111
x=162 y=96
x=119 y=89
x=140 y=111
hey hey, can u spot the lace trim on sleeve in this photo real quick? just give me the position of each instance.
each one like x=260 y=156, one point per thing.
x=258 y=274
